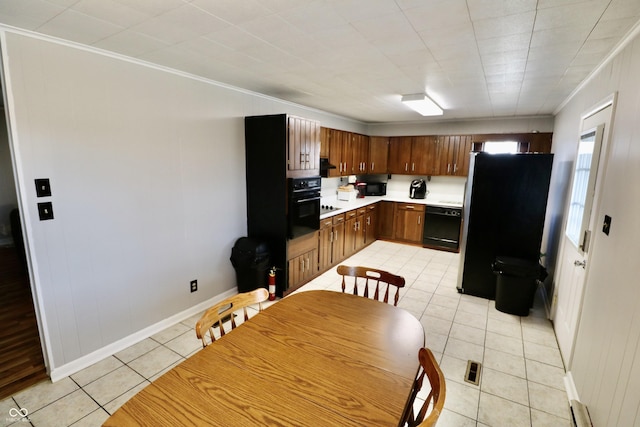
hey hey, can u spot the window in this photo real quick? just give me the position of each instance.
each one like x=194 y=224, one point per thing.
x=500 y=147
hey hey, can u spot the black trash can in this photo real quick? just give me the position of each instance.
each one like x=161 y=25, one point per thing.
x=516 y=283
x=250 y=258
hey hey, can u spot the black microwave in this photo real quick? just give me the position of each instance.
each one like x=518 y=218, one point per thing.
x=376 y=189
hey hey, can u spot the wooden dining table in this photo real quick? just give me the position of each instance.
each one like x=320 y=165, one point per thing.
x=315 y=358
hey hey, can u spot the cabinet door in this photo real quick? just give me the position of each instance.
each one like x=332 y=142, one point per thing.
x=360 y=153
x=386 y=213
x=409 y=222
x=423 y=155
x=346 y=153
x=324 y=142
x=350 y=230
x=337 y=250
x=360 y=229
x=378 y=154
x=461 y=163
x=303 y=143
x=370 y=224
x=335 y=152
x=325 y=240
x=400 y=154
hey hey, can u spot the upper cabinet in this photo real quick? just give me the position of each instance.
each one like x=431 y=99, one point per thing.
x=453 y=155
x=434 y=155
x=378 y=154
x=303 y=144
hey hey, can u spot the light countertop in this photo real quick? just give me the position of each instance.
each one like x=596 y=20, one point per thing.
x=445 y=200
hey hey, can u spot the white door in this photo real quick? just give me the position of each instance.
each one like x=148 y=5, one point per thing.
x=574 y=259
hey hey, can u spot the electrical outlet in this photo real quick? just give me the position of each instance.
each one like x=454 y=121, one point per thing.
x=194 y=285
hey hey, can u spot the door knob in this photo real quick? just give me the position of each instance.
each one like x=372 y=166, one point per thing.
x=578 y=263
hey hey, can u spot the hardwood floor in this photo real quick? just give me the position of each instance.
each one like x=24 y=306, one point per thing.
x=21 y=361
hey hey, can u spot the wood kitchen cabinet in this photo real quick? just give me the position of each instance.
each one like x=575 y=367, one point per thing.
x=302 y=262
x=453 y=154
x=360 y=153
x=325 y=244
x=303 y=144
x=400 y=154
x=385 y=219
x=413 y=155
x=324 y=142
x=370 y=224
x=378 y=154
x=350 y=232
x=409 y=222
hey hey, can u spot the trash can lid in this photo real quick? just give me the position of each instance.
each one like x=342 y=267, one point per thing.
x=516 y=267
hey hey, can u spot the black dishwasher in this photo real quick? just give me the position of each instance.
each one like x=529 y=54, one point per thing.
x=442 y=227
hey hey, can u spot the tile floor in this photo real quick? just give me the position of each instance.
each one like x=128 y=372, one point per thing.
x=521 y=382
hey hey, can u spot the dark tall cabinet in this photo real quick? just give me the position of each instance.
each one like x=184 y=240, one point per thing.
x=504 y=212
x=277 y=147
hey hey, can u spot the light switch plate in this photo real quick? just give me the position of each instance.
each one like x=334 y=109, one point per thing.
x=43 y=187
x=45 y=210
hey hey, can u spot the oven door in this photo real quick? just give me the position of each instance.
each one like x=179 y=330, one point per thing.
x=304 y=213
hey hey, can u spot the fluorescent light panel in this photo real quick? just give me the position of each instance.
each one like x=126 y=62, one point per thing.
x=422 y=104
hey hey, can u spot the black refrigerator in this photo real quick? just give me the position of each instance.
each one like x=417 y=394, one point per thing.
x=503 y=215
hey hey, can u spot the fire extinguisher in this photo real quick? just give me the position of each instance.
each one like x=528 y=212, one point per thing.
x=272 y=284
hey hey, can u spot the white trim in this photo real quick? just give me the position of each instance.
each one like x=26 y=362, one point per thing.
x=570 y=387
x=77 y=365
x=607 y=59
x=599 y=106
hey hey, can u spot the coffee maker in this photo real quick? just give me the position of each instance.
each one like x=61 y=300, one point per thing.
x=418 y=189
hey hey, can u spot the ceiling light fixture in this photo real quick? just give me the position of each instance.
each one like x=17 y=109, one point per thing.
x=422 y=104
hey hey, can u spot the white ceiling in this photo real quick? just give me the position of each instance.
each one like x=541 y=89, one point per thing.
x=355 y=58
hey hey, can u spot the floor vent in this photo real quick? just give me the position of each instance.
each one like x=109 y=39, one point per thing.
x=473 y=372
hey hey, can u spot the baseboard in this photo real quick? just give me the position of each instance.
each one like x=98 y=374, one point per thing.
x=85 y=361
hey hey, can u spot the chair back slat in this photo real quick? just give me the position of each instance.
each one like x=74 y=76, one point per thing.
x=377 y=278
x=217 y=315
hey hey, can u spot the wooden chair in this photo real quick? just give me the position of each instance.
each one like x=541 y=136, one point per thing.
x=380 y=277
x=436 y=396
x=218 y=314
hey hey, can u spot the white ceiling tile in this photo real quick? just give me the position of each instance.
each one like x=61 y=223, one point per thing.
x=234 y=11
x=355 y=10
x=78 y=27
x=504 y=26
x=151 y=7
x=28 y=14
x=482 y=9
x=180 y=24
x=438 y=14
x=111 y=11
x=509 y=43
x=380 y=27
x=130 y=43
x=569 y=16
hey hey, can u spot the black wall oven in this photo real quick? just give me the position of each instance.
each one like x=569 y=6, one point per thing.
x=303 y=214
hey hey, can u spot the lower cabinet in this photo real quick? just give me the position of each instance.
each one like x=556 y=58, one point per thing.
x=386 y=215
x=302 y=261
x=370 y=224
x=409 y=222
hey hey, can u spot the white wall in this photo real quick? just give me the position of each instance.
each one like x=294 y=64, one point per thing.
x=148 y=189
x=606 y=365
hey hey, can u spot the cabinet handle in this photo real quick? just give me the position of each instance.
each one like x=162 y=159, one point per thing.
x=413 y=167
x=372 y=165
x=419 y=216
x=368 y=220
x=455 y=167
x=409 y=207
x=448 y=167
x=406 y=167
